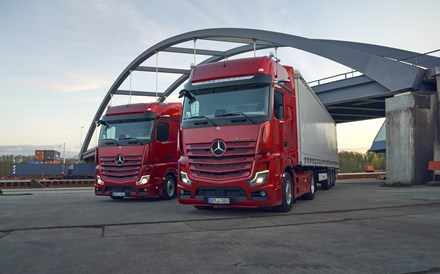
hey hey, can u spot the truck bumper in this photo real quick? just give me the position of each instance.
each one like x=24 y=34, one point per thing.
x=126 y=190
x=234 y=195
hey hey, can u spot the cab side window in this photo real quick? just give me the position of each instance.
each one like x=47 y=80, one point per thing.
x=162 y=133
x=278 y=105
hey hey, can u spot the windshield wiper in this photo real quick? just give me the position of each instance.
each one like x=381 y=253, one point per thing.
x=131 y=138
x=235 y=114
x=203 y=116
x=112 y=140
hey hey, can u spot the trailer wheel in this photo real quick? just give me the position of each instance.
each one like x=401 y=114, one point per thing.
x=330 y=181
x=333 y=178
x=311 y=194
x=288 y=194
x=326 y=184
x=169 y=187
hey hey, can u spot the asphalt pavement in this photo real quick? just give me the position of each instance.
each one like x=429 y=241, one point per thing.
x=359 y=226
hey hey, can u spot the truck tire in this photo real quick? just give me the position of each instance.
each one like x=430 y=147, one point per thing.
x=169 y=187
x=330 y=181
x=288 y=194
x=333 y=178
x=311 y=194
x=325 y=185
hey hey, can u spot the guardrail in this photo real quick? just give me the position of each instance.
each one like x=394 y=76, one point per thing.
x=13 y=184
x=355 y=73
x=334 y=78
x=362 y=175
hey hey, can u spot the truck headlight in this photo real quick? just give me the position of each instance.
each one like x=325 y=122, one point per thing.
x=184 y=178
x=99 y=181
x=144 y=179
x=260 y=177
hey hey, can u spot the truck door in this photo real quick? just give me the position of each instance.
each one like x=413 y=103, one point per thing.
x=163 y=146
x=284 y=115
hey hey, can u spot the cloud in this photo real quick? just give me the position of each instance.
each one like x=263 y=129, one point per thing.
x=71 y=81
x=8 y=102
x=76 y=82
x=95 y=100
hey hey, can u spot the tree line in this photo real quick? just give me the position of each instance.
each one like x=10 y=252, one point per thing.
x=350 y=162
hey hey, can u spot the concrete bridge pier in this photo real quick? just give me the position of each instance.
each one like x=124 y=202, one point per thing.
x=413 y=135
x=436 y=73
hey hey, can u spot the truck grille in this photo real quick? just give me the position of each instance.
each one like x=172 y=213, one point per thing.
x=129 y=170
x=235 y=163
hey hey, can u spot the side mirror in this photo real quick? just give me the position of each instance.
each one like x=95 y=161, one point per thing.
x=101 y=122
x=279 y=113
x=188 y=95
x=182 y=93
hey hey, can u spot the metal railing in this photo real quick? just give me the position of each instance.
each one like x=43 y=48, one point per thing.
x=354 y=73
x=337 y=77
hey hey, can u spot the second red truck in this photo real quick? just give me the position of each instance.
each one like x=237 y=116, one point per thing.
x=137 y=151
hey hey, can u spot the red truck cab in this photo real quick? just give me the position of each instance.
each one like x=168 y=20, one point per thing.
x=137 y=151
x=240 y=137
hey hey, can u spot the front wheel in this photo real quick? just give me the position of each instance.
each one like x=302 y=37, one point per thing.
x=169 y=187
x=288 y=196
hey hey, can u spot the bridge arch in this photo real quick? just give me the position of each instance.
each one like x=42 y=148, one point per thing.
x=381 y=65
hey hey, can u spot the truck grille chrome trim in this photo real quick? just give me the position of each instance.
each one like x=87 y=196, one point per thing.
x=128 y=170
x=235 y=163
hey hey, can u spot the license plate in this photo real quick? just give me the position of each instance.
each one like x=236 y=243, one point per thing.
x=118 y=194
x=219 y=200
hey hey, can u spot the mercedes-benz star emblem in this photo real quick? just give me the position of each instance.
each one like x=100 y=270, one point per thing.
x=218 y=148
x=119 y=160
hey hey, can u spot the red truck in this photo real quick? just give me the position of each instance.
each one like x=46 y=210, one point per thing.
x=253 y=134
x=137 y=151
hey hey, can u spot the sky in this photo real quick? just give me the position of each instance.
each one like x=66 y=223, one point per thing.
x=58 y=59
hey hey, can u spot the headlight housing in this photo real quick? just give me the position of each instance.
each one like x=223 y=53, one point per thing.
x=260 y=177
x=184 y=178
x=99 y=181
x=143 y=180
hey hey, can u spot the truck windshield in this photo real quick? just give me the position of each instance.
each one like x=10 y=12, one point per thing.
x=249 y=103
x=128 y=132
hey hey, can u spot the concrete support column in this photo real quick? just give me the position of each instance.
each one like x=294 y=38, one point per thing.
x=411 y=127
x=436 y=156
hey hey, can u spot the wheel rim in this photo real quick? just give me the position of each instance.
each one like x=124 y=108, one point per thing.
x=288 y=192
x=170 y=187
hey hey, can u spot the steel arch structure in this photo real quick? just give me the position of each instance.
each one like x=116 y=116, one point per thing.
x=380 y=64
